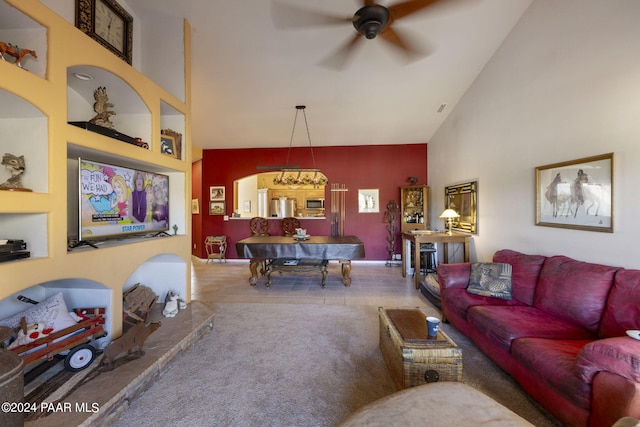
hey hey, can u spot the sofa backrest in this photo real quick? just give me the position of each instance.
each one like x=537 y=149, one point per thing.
x=575 y=291
x=524 y=274
x=622 y=310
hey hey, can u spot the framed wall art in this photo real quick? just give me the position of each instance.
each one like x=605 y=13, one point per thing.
x=462 y=198
x=216 y=193
x=195 y=206
x=168 y=145
x=177 y=141
x=576 y=194
x=216 y=208
x=368 y=201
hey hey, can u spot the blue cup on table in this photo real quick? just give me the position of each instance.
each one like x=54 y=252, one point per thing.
x=433 y=325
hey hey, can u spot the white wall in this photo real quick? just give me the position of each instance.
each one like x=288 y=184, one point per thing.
x=247 y=191
x=166 y=66
x=564 y=85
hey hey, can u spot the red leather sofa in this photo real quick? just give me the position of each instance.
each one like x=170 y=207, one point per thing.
x=562 y=336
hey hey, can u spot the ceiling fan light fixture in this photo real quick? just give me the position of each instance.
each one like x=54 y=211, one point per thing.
x=371 y=29
x=371 y=20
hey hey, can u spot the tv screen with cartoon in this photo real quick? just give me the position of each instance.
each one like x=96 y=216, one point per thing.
x=116 y=201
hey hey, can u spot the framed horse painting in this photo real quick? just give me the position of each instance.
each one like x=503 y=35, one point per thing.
x=576 y=194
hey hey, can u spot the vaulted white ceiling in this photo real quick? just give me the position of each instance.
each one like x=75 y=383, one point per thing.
x=248 y=75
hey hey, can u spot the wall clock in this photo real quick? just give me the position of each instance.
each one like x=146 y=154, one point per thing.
x=108 y=23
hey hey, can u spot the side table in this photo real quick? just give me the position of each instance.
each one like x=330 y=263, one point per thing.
x=216 y=247
x=423 y=236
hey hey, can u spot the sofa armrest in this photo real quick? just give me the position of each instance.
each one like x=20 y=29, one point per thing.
x=454 y=275
x=618 y=355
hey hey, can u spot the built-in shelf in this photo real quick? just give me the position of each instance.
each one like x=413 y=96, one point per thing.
x=132 y=117
x=36 y=105
x=24 y=132
x=30 y=227
x=24 y=32
x=172 y=121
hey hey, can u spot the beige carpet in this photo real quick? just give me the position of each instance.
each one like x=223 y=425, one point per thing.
x=293 y=365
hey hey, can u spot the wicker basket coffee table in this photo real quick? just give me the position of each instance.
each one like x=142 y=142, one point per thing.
x=413 y=358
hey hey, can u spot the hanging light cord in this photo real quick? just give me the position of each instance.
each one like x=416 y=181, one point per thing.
x=295 y=119
x=309 y=138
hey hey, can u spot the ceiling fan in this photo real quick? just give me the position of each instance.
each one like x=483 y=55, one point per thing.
x=370 y=21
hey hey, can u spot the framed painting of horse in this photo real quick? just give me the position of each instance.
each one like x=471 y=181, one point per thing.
x=576 y=194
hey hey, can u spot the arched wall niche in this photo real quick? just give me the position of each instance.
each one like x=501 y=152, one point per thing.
x=162 y=273
x=78 y=293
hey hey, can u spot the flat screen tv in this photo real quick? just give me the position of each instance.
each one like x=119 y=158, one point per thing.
x=116 y=201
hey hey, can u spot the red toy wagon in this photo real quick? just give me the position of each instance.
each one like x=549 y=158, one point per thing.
x=75 y=338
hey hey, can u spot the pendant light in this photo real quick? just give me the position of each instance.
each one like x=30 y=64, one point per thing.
x=294 y=176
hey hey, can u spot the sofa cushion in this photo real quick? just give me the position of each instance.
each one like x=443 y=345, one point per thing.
x=574 y=291
x=490 y=279
x=622 y=311
x=459 y=301
x=524 y=274
x=503 y=324
x=553 y=360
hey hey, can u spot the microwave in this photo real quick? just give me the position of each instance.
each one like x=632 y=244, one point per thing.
x=314 y=204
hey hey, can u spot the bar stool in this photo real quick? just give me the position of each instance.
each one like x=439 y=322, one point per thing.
x=428 y=258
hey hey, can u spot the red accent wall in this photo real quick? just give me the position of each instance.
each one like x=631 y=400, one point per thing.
x=385 y=167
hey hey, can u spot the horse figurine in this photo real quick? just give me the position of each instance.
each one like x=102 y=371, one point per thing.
x=16 y=52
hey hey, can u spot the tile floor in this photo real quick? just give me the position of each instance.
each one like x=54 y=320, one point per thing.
x=373 y=283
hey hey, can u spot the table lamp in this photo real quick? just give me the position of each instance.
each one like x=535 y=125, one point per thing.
x=449 y=214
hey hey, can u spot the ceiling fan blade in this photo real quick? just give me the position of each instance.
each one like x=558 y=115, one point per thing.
x=411 y=50
x=338 y=59
x=405 y=8
x=288 y=16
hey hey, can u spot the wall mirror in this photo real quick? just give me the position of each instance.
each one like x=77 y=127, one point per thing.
x=278 y=194
x=462 y=198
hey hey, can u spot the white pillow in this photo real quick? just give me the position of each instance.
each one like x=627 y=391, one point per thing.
x=52 y=312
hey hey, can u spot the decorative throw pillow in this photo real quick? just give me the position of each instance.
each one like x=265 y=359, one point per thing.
x=52 y=312
x=490 y=279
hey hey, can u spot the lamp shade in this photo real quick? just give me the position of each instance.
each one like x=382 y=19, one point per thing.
x=449 y=213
